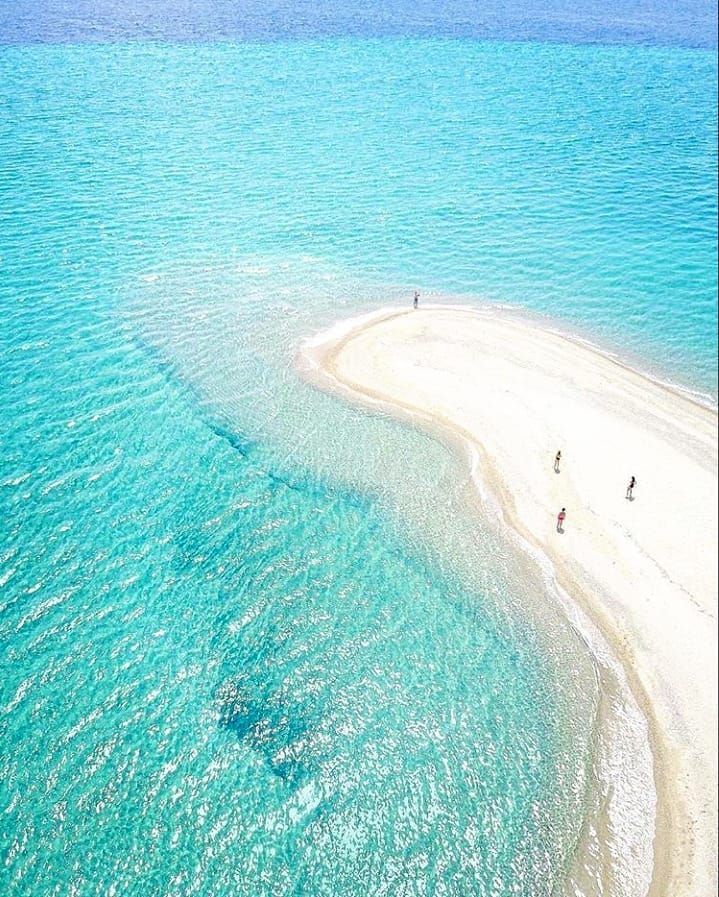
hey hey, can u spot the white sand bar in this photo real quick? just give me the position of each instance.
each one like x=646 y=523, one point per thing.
x=646 y=570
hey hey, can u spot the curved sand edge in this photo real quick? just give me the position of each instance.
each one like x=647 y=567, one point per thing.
x=517 y=392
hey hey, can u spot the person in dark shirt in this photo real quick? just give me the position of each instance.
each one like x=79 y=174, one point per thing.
x=630 y=488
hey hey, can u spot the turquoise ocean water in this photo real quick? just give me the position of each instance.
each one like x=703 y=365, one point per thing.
x=255 y=642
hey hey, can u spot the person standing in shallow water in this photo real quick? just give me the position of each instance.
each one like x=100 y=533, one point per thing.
x=557 y=459
x=416 y=299
x=630 y=488
x=561 y=517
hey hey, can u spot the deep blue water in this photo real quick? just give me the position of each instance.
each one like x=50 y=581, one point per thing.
x=254 y=642
x=691 y=23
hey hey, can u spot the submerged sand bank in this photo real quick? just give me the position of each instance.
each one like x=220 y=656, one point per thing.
x=644 y=569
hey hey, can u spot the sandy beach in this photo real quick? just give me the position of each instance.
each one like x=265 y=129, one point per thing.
x=643 y=569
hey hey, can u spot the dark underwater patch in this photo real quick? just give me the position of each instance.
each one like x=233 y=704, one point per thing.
x=276 y=730
x=237 y=442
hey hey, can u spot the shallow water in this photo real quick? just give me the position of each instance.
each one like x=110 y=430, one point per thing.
x=254 y=641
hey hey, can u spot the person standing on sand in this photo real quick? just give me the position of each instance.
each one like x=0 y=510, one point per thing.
x=630 y=488
x=416 y=299
x=561 y=517
x=557 y=459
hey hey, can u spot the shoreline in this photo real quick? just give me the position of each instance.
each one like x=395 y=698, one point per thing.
x=407 y=364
